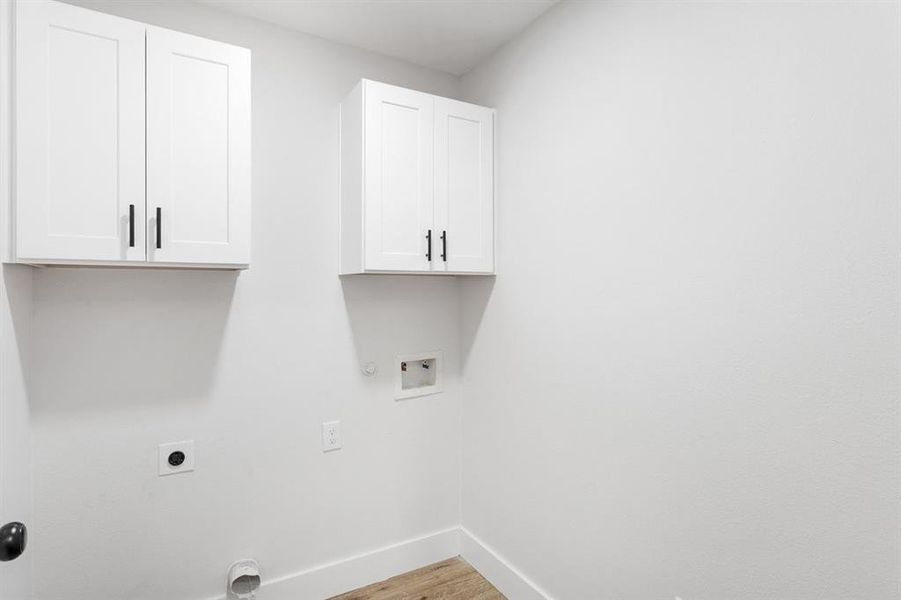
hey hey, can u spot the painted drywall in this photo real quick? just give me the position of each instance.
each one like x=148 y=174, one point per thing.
x=248 y=365
x=447 y=35
x=15 y=326
x=15 y=422
x=684 y=381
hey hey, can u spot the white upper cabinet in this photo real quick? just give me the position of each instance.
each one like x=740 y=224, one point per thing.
x=80 y=134
x=132 y=143
x=198 y=150
x=398 y=186
x=464 y=186
x=417 y=183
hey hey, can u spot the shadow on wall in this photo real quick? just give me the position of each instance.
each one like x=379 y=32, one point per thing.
x=17 y=281
x=400 y=314
x=115 y=338
x=475 y=293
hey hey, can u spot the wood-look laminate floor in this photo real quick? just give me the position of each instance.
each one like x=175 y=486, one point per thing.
x=452 y=579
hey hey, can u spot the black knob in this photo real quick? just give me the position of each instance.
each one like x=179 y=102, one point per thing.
x=13 y=537
x=176 y=458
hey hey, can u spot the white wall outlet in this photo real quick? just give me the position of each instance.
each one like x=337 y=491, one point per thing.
x=176 y=457
x=331 y=436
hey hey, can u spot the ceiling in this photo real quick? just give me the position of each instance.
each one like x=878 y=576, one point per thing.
x=448 y=35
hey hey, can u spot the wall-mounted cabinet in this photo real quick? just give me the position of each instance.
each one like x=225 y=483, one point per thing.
x=417 y=183
x=131 y=145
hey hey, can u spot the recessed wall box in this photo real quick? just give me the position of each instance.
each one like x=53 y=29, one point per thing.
x=418 y=374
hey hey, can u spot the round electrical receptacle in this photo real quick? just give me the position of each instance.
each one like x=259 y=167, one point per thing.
x=177 y=458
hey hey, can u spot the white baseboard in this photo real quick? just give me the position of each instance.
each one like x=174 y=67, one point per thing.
x=502 y=575
x=331 y=579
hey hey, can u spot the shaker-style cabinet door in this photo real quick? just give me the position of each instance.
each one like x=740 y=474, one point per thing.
x=79 y=97
x=464 y=183
x=198 y=150
x=398 y=187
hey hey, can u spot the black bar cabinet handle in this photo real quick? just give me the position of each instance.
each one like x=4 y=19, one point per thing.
x=428 y=252
x=444 y=245
x=159 y=227
x=131 y=225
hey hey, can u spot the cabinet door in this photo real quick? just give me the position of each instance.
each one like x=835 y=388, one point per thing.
x=464 y=176
x=79 y=134
x=398 y=188
x=198 y=150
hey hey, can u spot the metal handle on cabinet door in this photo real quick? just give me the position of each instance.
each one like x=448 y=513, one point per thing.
x=444 y=245
x=159 y=227
x=428 y=252
x=131 y=225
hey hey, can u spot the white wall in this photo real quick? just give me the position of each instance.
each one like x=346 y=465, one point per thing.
x=16 y=502
x=684 y=381
x=247 y=365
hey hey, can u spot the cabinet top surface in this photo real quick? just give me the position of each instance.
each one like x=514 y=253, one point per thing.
x=371 y=82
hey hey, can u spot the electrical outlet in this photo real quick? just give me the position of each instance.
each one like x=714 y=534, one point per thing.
x=331 y=436
x=176 y=457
